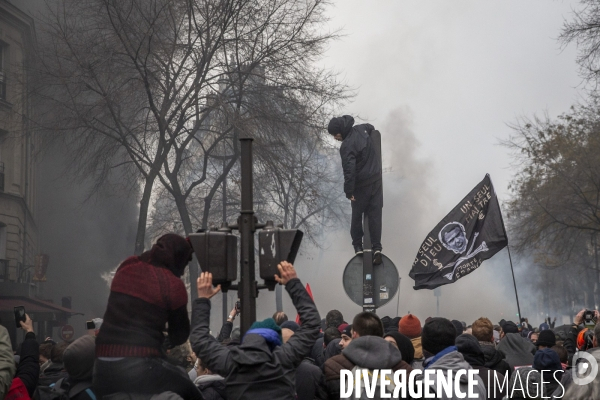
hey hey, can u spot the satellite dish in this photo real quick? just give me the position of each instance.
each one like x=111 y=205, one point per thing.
x=385 y=281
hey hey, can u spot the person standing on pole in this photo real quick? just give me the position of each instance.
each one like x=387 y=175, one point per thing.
x=362 y=180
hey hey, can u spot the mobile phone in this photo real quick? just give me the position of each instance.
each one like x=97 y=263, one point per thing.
x=238 y=306
x=90 y=325
x=19 y=315
x=589 y=318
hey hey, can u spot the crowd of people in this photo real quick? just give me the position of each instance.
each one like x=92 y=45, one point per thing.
x=146 y=347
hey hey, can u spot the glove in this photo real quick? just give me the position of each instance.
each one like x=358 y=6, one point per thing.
x=349 y=196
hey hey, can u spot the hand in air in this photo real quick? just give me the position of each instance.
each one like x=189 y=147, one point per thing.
x=286 y=273
x=205 y=286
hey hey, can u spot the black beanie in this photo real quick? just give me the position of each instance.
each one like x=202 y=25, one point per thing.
x=341 y=125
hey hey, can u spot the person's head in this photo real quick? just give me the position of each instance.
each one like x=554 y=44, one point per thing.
x=402 y=343
x=346 y=335
x=483 y=330
x=469 y=347
x=339 y=127
x=438 y=334
x=330 y=334
x=334 y=318
x=508 y=327
x=235 y=334
x=280 y=317
x=79 y=357
x=56 y=355
x=453 y=237
x=182 y=356
x=201 y=368
x=290 y=325
x=562 y=352
x=45 y=352
x=269 y=330
x=544 y=339
x=366 y=324
x=410 y=326
x=534 y=337
x=171 y=251
x=547 y=362
x=458 y=327
x=585 y=339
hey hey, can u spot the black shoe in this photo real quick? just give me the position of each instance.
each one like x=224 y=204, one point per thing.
x=358 y=250
x=377 y=257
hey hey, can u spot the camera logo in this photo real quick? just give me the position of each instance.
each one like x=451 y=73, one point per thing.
x=586 y=368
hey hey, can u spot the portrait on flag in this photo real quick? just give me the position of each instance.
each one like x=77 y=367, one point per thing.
x=471 y=233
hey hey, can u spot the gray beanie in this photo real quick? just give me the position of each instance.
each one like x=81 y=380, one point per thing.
x=79 y=357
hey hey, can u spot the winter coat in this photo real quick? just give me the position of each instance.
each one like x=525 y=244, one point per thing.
x=225 y=332
x=310 y=381
x=454 y=361
x=7 y=362
x=360 y=162
x=252 y=370
x=333 y=349
x=495 y=359
x=52 y=374
x=493 y=381
x=317 y=352
x=212 y=387
x=371 y=352
x=519 y=351
x=29 y=365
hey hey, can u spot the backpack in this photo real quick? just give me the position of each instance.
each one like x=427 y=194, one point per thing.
x=62 y=391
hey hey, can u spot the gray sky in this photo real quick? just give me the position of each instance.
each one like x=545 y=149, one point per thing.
x=441 y=80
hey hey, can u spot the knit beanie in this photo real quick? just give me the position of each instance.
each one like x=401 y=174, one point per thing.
x=546 y=338
x=547 y=360
x=291 y=325
x=510 y=327
x=79 y=358
x=410 y=326
x=458 y=326
x=268 y=323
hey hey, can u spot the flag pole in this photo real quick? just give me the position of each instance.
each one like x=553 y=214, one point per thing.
x=514 y=281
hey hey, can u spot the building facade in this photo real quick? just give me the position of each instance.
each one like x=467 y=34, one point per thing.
x=18 y=229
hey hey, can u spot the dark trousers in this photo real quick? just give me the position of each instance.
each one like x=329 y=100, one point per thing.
x=150 y=375
x=369 y=201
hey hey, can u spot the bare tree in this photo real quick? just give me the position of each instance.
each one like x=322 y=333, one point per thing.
x=137 y=82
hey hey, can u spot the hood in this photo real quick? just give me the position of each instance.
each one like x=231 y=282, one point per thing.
x=79 y=357
x=453 y=361
x=492 y=356
x=341 y=125
x=513 y=343
x=170 y=251
x=416 y=342
x=469 y=347
x=253 y=351
x=372 y=352
x=202 y=379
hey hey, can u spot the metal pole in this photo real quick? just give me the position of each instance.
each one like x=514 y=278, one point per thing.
x=514 y=282
x=368 y=296
x=224 y=188
x=248 y=286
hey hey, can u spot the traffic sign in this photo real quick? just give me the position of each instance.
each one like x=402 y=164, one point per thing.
x=67 y=333
x=385 y=282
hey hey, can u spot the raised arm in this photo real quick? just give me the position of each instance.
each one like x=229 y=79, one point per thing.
x=301 y=343
x=206 y=347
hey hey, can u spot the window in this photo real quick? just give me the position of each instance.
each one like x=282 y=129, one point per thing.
x=3 y=67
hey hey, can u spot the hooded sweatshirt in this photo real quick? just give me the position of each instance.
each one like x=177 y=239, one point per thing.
x=518 y=350
x=454 y=361
x=495 y=359
x=370 y=352
x=148 y=288
x=212 y=387
x=469 y=347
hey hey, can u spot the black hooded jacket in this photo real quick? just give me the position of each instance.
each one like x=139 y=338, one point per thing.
x=469 y=347
x=252 y=370
x=360 y=163
x=495 y=359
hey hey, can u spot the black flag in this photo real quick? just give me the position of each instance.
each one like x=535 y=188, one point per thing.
x=471 y=233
